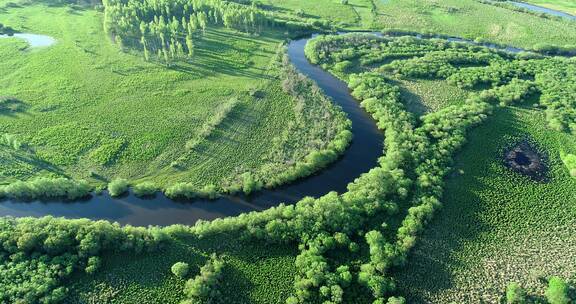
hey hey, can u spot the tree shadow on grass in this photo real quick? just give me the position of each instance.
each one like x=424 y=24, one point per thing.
x=145 y=271
x=235 y=287
x=431 y=264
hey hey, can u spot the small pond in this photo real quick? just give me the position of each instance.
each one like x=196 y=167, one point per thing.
x=34 y=40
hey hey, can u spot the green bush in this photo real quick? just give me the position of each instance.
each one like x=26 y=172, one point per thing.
x=203 y=288
x=118 y=187
x=145 y=189
x=515 y=294
x=569 y=161
x=557 y=292
x=46 y=188
x=44 y=252
x=180 y=269
x=93 y=265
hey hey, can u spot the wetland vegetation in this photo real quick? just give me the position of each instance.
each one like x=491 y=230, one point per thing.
x=471 y=200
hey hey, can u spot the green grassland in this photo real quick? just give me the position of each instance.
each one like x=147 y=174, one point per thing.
x=462 y=18
x=472 y=19
x=497 y=226
x=567 y=6
x=254 y=273
x=94 y=112
x=422 y=96
x=357 y=14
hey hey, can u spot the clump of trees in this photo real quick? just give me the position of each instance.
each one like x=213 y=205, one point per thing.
x=204 y=287
x=515 y=294
x=11 y=141
x=145 y=189
x=191 y=191
x=180 y=269
x=569 y=161
x=10 y=104
x=557 y=292
x=167 y=30
x=46 y=188
x=118 y=187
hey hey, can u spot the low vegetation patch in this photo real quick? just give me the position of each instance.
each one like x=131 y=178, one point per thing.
x=225 y=115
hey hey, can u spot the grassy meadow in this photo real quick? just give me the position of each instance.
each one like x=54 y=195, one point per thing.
x=254 y=273
x=357 y=14
x=94 y=112
x=472 y=19
x=496 y=225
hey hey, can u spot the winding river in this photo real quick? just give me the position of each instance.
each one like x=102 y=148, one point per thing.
x=360 y=157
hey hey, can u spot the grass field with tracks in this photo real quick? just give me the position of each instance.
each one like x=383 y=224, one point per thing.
x=94 y=112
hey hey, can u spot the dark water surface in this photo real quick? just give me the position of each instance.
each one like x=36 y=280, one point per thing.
x=360 y=157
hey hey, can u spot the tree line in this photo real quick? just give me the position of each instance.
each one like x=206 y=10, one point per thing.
x=168 y=30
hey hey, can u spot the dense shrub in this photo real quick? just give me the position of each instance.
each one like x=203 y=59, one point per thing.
x=93 y=265
x=190 y=191
x=204 y=287
x=46 y=188
x=145 y=189
x=118 y=187
x=10 y=104
x=180 y=269
x=6 y=30
x=557 y=292
x=515 y=294
x=37 y=255
x=570 y=162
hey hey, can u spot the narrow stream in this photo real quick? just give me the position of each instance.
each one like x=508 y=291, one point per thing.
x=541 y=9
x=360 y=157
x=34 y=40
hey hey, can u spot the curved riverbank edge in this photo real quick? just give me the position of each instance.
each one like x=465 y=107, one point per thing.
x=361 y=155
